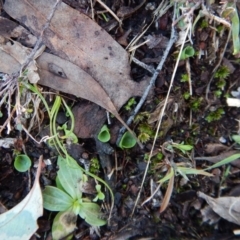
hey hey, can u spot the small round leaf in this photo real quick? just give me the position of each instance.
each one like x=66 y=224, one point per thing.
x=127 y=141
x=22 y=163
x=187 y=52
x=104 y=135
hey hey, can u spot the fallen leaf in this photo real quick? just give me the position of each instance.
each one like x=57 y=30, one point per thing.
x=61 y=73
x=156 y=41
x=209 y=216
x=20 y=53
x=65 y=76
x=10 y=29
x=90 y=119
x=68 y=77
x=76 y=38
x=167 y=195
x=21 y=221
x=7 y=142
x=226 y=207
x=214 y=148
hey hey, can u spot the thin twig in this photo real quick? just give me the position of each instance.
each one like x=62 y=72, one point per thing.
x=110 y=11
x=8 y=120
x=137 y=37
x=172 y=40
x=32 y=55
x=39 y=41
x=143 y=65
x=188 y=69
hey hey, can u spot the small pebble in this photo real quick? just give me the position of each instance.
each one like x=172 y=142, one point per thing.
x=222 y=140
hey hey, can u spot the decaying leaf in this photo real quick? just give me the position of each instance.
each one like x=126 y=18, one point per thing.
x=226 y=207
x=64 y=223
x=20 y=53
x=7 y=142
x=209 y=216
x=214 y=148
x=10 y=29
x=156 y=41
x=21 y=221
x=65 y=76
x=168 y=194
x=76 y=38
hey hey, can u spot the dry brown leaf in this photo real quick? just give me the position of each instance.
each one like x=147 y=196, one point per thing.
x=154 y=116
x=214 y=148
x=10 y=29
x=209 y=216
x=156 y=41
x=167 y=195
x=226 y=207
x=58 y=70
x=76 y=38
x=20 y=53
x=61 y=72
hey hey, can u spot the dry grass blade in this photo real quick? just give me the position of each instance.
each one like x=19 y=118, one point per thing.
x=168 y=193
x=154 y=77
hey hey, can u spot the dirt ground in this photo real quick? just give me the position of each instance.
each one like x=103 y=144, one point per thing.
x=197 y=125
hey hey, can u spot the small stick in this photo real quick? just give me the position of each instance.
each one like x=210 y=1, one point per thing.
x=143 y=65
x=39 y=41
x=172 y=40
x=110 y=11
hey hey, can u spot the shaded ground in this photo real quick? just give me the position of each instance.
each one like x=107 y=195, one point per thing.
x=207 y=124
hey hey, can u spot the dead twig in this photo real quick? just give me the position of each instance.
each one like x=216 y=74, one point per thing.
x=172 y=40
x=110 y=11
x=39 y=41
x=143 y=65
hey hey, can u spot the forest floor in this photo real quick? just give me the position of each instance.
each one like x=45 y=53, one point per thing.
x=163 y=186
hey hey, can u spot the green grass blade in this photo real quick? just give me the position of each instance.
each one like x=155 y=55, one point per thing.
x=225 y=161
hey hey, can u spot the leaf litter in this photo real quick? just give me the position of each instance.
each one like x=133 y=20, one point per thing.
x=77 y=60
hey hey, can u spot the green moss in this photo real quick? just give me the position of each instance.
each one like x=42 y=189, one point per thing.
x=214 y=116
x=204 y=24
x=222 y=73
x=130 y=104
x=186 y=95
x=195 y=103
x=94 y=165
x=184 y=78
